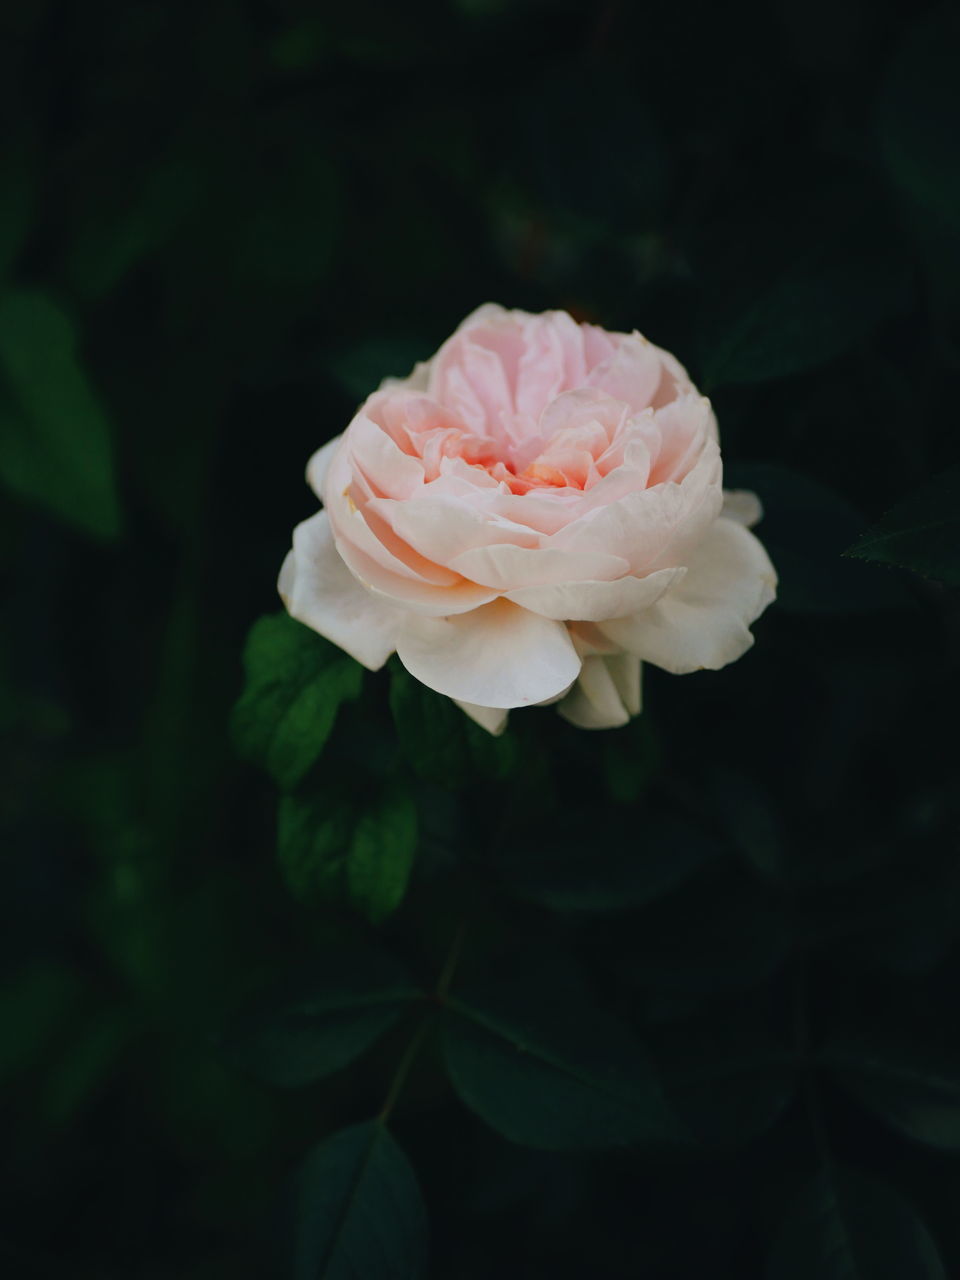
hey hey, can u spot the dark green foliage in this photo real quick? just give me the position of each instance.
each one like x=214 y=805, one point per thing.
x=381 y=855
x=55 y=445
x=441 y=743
x=706 y=954
x=911 y=1087
x=825 y=295
x=313 y=839
x=574 y=875
x=318 y=1022
x=333 y=851
x=922 y=532
x=743 y=935
x=806 y=528
x=917 y=119
x=295 y=683
x=359 y=1215
x=847 y=1226
x=726 y=1086
x=549 y=1071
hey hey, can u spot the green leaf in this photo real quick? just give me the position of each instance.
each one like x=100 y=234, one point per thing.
x=845 y=1226
x=318 y=1024
x=825 y=284
x=381 y=855
x=35 y=1005
x=359 y=1213
x=55 y=446
x=727 y=1086
x=287 y=229
x=749 y=817
x=131 y=218
x=806 y=528
x=83 y=1067
x=580 y=876
x=551 y=1073
x=921 y=533
x=918 y=120
x=723 y=936
x=295 y=683
x=912 y=1088
x=313 y=838
x=919 y=116
x=440 y=741
x=334 y=851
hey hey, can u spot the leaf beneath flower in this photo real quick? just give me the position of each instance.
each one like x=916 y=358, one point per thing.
x=295 y=683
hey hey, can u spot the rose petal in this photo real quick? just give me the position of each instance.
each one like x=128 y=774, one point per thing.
x=595 y=601
x=319 y=464
x=589 y=640
x=389 y=470
x=497 y=656
x=743 y=506
x=493 y=719
x=506 y=568
x=416 y=380
x=413 y=593
x=441 y=528
x=633 y=374
x=594 y=702
x=625 y=671
x=319 y=590
x=674 y=381
x=654 y=528
x=703 y=621
x=540 y=372
x=355 y=523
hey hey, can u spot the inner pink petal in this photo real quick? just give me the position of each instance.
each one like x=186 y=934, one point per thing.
x=534 y=413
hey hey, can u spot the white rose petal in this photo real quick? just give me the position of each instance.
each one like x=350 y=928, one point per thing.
x=497 y=656
x=703 y=622
x=320 y=591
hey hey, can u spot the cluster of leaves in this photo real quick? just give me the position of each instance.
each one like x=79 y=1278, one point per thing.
x=671 y=1000
x=672 y=900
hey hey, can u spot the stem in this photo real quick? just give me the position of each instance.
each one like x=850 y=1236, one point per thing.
x=404 y=1067
x=451 y=962
x=416 y=1042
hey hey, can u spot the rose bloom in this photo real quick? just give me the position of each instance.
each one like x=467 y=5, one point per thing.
x=526 y=519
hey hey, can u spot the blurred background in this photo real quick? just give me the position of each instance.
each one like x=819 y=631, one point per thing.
x=221 y=225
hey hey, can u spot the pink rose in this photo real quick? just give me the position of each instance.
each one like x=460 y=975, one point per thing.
x=528 y=517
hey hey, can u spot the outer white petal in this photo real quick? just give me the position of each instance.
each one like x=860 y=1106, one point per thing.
x=595 y=601
x=703 y=621
x=743 y=506
x=319 y=590
x=594 y=702
x=625 y=671
x=319 y=463
x=497 y=656
x=493 y=719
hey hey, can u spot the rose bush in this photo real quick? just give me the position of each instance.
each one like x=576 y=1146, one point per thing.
x=526 y=519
